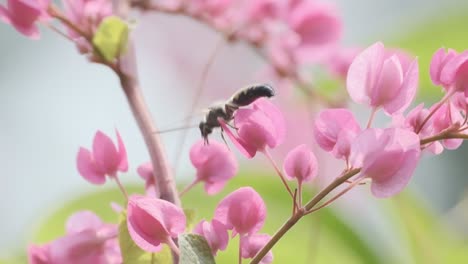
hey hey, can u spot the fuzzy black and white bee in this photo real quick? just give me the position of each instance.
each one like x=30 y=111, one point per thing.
x=226 y=110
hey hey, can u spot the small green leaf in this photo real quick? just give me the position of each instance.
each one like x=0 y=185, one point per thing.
x=132 y=254
x=111 y=38
x=194 y=250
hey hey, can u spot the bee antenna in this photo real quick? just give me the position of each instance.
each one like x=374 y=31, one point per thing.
x=174 y=129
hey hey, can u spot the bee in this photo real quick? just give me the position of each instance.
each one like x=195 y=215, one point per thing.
x=226 y=110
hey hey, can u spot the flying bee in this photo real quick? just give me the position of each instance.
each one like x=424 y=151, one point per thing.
x=225 y=111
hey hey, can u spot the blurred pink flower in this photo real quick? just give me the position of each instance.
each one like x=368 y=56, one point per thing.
x=317 y=23
x=145 y=171
x=105 y=159
x=438 y=62
x=388 y=157
x=258 y=127
x=88 y=240
x=39 y=254
x=87 y=14
x=153 y=221
x=300 y=164
x=215 y=165
x=447 y=117
x=243 y=211
x=215 y=234
x=251 y=244
x=340 y=59
x=379 y=78
x=334 y=130
x=23 y=15
x=281 y=53
x=452 y=69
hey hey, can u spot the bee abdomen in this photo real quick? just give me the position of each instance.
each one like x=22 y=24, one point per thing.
x=248 y=95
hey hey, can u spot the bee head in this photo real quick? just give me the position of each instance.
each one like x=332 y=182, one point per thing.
x=205 y=130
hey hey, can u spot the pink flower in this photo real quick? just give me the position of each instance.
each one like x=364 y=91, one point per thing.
x=453 y=70
x=281 y=53
x=438 y=62
x=380 y=79
x=23 y=15
x=334 y=130
x=215 y=165
x=260 y=10
x=300 y=163
x=340 y=59
x=258 y=127
x=243 y=211
x=38 y=254
x=388 y=157
x=316 y=23
x=251 y=245
x=146 y=173
x=87 y=14
x=105 y=159
x=153 y=221
x=215 y=234
x=413 y=121
x=88 y=240
x=445 y=118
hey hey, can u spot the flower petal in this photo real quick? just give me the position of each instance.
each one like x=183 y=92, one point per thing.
x=363 y=73
x=123 y=164
x=105 y=154
x=87 y=167
x=83 y=220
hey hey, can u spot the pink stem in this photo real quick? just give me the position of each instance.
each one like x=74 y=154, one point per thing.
x=162 y=171
x=371 y=117
x=170 y=242
x=240 y=249
x=188 y=188
x=122 y=189
x=278 y=171
x=444 y=100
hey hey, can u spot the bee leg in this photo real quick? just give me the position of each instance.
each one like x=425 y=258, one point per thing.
x=207 y=142
x=233 y=127
x=230 y=108
x=224 y=139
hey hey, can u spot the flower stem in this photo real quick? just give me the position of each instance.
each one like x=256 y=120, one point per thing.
x=188 y=188
x=240 y=250
x=443 y=135
x=122 y=189
x=278 y=171
x=300 y=213
x=175 y=249
x=371 y=117
x=327 y=203
x=162 y=172
x=443 y=101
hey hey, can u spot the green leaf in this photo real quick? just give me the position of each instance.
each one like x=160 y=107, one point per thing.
x=111 y=38
x=194 y=250
x=132 y=254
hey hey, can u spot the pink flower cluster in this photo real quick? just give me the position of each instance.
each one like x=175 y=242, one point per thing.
x=291 y=33
x=381 y=78
x=244 y=212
